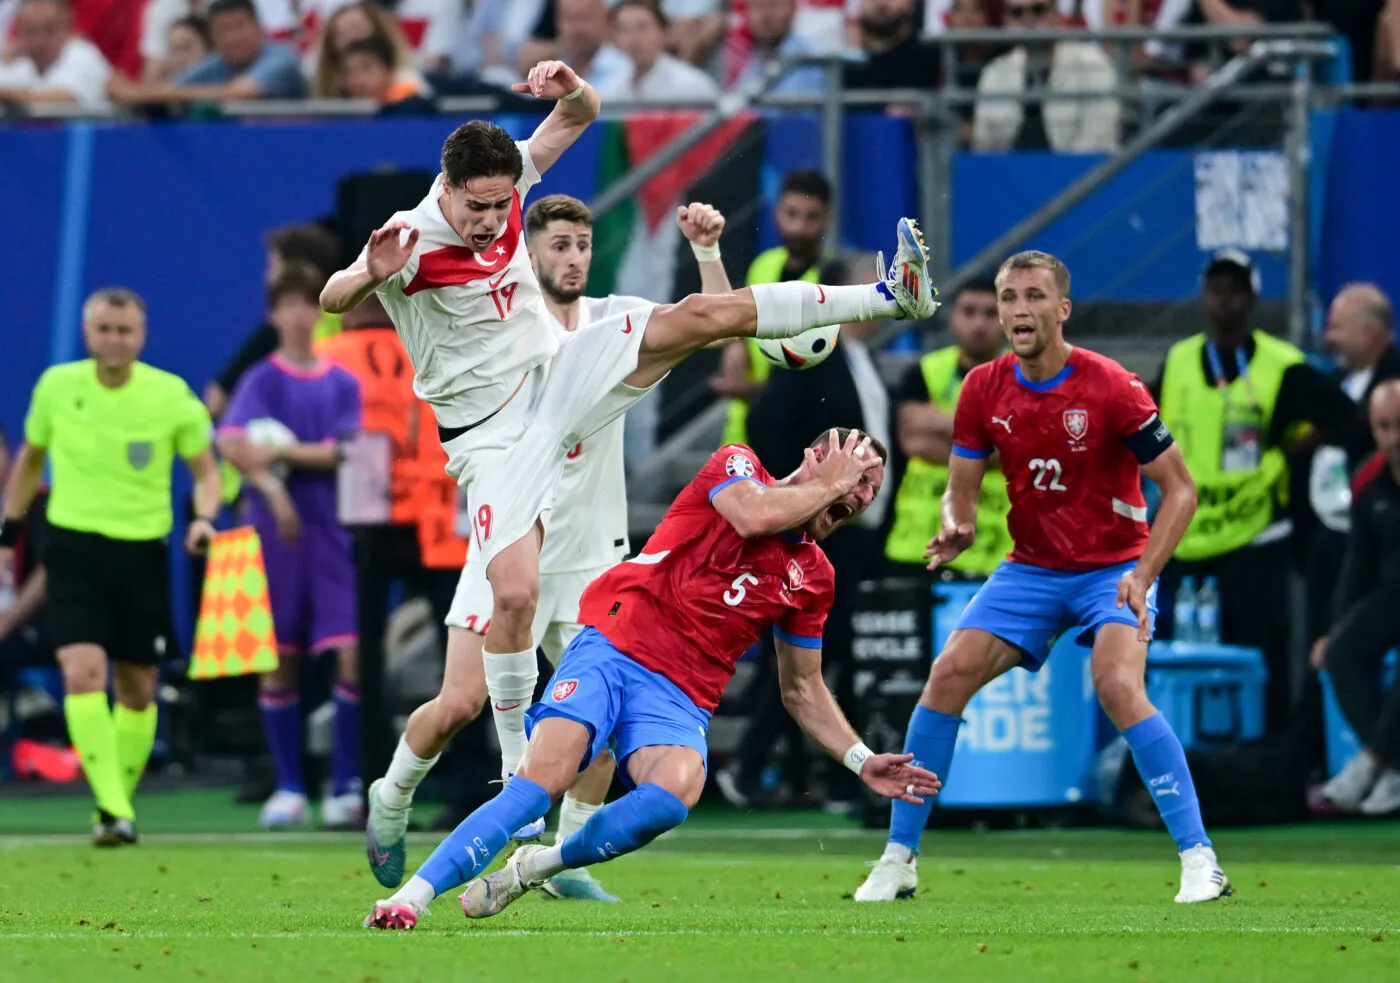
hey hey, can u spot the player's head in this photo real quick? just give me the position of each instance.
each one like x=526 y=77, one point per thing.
x=236 y=31
x=559 y=234
x=1384 y=408
x=836 y=515
x=973 y=320
x=114 y=326
x=1360 y=326
x=480 y=166
x=803 y=212
x=1032 y=301
x=293 y=301
x=1228 y=292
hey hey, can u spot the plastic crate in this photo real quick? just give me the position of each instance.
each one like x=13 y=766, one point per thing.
x=1210 y=694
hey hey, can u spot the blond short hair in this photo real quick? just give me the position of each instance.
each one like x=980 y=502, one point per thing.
x=1033 y=259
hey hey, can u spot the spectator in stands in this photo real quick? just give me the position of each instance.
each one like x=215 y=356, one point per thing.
x=772 y=39
x=802 y=215
x=52 y=63
x=243 y=65
x=696 y=29
x=489 y=42
x=927 y=397
x=189 y=44
x=1387 y=59
x=1237 y=400
x=639 y=31
x=1368 y=623
x=370 y=74
x=429 y=27
x=895 y=58
x=846 y=390
x=360 y=22
x=305 y=243
x=1043 y=122
x=1360 y=334
x=576 y=32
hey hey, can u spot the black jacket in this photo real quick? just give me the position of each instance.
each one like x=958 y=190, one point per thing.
x=1372 y=561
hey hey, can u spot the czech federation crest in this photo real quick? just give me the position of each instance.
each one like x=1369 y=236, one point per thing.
x=794 y=575
x=139 y=453
x=563 y=690
x=1076 y=423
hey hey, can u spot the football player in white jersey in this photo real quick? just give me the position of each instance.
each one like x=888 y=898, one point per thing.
x=588 y=534
x=510 y=395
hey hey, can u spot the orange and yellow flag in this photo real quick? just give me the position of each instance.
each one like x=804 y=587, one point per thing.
x=234 y=635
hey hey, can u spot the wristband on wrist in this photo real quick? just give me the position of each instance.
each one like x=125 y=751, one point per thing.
x=855 y=756
x=577 y=92
x=705 y=254
x=10 y=530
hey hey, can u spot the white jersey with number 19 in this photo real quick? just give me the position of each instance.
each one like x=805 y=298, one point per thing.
x=473 y=323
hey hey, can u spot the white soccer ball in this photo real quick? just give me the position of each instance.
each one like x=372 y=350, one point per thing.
x=268 y=432
x=804 y=351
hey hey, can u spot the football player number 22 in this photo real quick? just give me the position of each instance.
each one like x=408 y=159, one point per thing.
x=1047 y=474
x=739 y=589
x=503 y=297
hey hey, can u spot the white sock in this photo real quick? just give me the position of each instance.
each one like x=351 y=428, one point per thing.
x=544 y=864
x=416 y=892
x=897 y=852
x=788 y=309
x=403 y=776
x=510 y=684
x=572 y=815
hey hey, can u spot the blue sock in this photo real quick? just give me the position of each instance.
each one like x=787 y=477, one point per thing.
x=624 y=825
x=345 y=752
x=1161 y=762
x=931 y=737
x=471 y=847
x=283 y=724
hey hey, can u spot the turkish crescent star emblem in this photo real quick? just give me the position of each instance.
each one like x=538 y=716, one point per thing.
x=1076 y=423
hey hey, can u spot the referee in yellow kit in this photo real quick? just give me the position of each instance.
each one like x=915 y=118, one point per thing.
x=111 y=427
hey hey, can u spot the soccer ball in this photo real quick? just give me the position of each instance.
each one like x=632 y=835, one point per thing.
x=269 y=432
x=804 y=351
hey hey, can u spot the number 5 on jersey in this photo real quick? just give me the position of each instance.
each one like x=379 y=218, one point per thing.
x=739 y=589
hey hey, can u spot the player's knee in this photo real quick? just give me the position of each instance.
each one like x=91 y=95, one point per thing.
x=516 y=598
x=956 y=677
x=666 y=806
x=1119 y=688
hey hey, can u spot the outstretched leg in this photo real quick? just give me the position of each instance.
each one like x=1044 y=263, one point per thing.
x=783 y=310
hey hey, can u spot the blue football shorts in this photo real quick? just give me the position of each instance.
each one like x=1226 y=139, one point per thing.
x=1030 y=607
x=624 y=705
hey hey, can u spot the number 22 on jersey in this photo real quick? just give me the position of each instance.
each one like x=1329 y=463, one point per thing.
x=1047 y=474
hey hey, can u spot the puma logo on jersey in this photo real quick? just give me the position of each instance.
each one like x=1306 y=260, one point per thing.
x=1004 y=422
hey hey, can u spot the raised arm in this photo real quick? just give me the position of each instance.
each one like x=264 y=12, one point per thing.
x=756 y=509
x=576 y=105
x=807 y=699
x=387 y=252
x=703 y=225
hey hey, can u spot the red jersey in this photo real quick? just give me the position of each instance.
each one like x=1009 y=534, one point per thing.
x=1074 y=483
x=699 y=594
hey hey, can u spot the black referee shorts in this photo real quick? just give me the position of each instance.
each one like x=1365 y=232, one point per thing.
x=110 y=592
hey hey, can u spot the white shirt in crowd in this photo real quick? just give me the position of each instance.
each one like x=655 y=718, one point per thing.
x=668 y=79
x=79 y=70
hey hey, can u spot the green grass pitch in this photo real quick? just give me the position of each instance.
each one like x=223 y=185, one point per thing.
x=727 y=898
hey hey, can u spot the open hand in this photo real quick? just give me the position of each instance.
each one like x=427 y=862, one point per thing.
x=700 y=223
x=389 y=249
x=1132 y=591
x=549 y=80
x=949 y=544
x=841 y=466
x=894 y=777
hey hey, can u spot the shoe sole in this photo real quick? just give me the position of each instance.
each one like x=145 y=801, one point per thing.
x=911 y=237
x=1227 y=890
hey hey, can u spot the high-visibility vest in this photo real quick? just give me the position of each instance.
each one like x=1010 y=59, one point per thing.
x=376 y=357
x=767 y=268
x=1235 y=506
x=917 y=505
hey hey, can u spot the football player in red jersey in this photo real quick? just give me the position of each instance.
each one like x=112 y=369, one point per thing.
x=736 y=555
x=1073 y=431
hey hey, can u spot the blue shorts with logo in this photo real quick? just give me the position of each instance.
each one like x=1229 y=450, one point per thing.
x=624 y=705
x=1030 y=607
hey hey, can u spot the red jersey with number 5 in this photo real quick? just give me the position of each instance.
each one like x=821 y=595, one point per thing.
x=699 y=594
x=1074 y=482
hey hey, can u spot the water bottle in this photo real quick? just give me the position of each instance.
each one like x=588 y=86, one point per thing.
x=1208 y=612
x=1184 y=611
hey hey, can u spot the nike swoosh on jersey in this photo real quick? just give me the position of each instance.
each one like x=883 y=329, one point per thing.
x=628 y=329
x=493 y=284
x=821 y=294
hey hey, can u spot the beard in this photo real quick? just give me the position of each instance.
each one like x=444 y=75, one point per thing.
x=884 y=28
x=561 y=295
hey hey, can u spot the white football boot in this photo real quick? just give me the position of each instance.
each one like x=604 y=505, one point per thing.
x=1385 y=795
x=892 y=878
x=1348 y=788
x=285 y=810
x=908 y=281
x=492 y=894
x=1201 y=877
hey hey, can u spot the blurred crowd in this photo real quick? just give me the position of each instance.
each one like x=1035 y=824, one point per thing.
x=163 y=57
